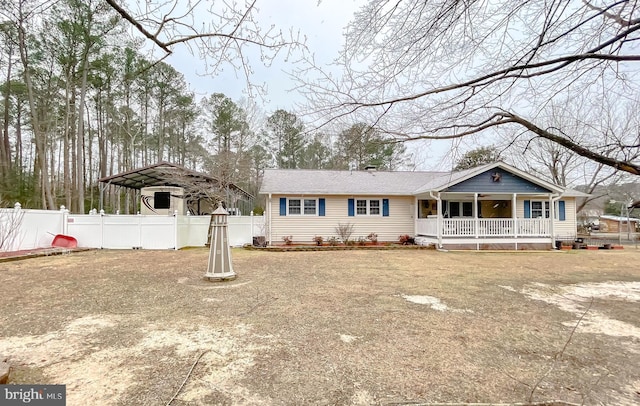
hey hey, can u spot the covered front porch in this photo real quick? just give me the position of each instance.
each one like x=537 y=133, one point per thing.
x=486 y=221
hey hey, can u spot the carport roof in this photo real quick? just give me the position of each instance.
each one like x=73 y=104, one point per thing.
x=163 y=174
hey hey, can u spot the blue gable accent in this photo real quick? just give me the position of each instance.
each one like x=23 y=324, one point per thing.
x=508 y=183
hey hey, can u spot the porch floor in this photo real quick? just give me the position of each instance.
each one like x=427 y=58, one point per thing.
x=493 y=243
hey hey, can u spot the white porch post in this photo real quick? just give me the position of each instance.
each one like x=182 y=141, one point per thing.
x=439 y=223
x=416 y=212
x=514 y=217
x=551 y=214
x=475 y=214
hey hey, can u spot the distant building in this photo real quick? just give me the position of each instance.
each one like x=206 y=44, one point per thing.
x=617 y=224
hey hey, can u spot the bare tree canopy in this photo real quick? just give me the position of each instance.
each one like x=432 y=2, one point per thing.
x=444 y=69
x=223 y=33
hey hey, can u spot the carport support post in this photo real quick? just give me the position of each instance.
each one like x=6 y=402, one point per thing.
x=220 y=266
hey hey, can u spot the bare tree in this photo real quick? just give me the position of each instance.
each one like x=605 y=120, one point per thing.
x=228 y=35
x=586 y=118
x=448 y=69
x=10 y=222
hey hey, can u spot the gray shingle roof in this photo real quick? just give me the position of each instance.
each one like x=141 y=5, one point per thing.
x=304 y=181
x=299 y=181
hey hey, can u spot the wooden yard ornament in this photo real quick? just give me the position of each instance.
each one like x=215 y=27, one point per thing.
x=220 y=266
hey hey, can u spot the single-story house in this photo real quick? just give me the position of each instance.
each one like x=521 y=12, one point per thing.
x=493 y=206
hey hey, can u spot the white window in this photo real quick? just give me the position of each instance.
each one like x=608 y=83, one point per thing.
x=374 y=207
x=539 y=209
x=361 y=207
x=310 y=206
x=294 y=206
x=305 y=207
x=368 y=207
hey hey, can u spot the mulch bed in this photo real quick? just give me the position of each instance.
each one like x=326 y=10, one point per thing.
x=289 y=248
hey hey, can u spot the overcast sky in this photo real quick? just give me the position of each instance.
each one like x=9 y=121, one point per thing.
x=321 y=22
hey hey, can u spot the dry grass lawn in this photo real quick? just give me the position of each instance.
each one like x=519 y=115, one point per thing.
x=353 y=327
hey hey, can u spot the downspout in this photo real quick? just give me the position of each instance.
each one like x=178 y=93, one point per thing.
x=439 y=218
x=552 y=217
x=476 y=223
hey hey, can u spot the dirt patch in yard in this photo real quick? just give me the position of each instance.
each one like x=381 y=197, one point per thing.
x=352 y=327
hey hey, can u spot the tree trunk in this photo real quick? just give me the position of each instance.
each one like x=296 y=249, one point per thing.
x=40 y=137
x=80 y=182
x=67 y=136
x=5 y=146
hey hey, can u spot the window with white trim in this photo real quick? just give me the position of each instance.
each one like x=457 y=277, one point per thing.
x=366 y=207
x=310 y=207
x=294 y=206
x=304 y=207
x=539 y=209
x=374 y=207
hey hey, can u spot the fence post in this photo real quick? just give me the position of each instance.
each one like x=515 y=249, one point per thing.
x=252 y=233
x=65 y=216
x=139 y=217
x=101 y=228
x=175 y=230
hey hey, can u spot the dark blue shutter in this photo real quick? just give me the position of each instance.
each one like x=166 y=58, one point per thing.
x=352 y=208
x=561 y=211
x=283 y=206
x=527 y=209
x=321 y=205
x=385 y=207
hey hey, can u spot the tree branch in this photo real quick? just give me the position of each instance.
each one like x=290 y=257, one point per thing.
x=138 y=26
x=625 y=166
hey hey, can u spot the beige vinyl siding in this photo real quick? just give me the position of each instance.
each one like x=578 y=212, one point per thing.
x=520 y=206
x=304 y=228
x=566 y=228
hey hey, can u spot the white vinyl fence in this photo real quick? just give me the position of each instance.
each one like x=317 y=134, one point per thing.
x=28 y=229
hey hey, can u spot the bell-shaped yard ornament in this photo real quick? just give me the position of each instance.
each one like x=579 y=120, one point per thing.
x=220 y=266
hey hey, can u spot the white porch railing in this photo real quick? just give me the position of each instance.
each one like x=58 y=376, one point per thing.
x=427 y=226
x=534 y=227
x=469 y=227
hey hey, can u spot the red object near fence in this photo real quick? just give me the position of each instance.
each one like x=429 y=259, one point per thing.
x=64 y=241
